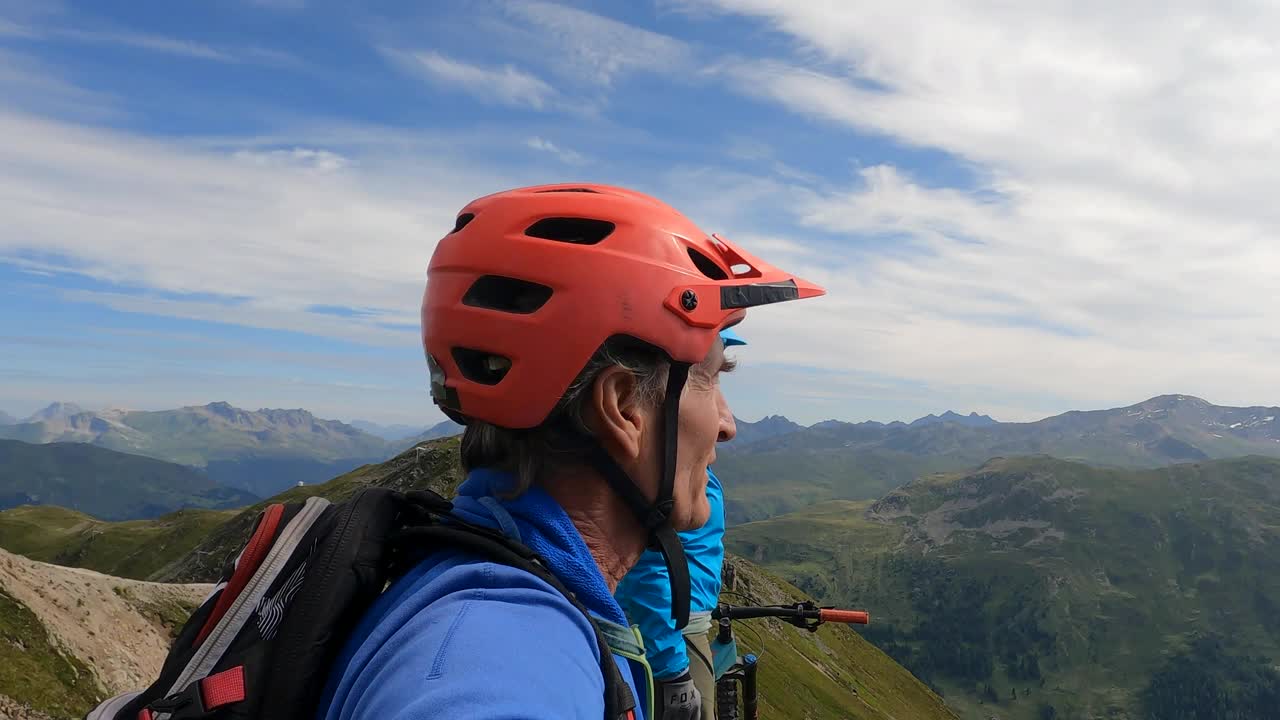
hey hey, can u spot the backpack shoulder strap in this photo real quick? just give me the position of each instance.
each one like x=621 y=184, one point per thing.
x=629 y=643
x=619 y=702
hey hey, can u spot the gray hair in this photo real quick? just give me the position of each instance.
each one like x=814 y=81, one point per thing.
x=529 y=454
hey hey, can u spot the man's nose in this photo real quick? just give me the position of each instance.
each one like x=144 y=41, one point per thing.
x=728 y=425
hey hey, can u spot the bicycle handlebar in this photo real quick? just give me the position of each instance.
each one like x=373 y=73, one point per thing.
x=802 y=614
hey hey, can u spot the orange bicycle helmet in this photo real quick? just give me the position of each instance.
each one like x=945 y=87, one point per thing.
x=531 y=282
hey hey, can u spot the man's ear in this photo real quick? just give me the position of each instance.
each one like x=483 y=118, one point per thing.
x=615 y=413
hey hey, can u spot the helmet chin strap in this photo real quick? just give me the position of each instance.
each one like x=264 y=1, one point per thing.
x=655 y=516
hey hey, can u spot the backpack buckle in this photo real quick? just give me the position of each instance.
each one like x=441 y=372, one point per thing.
x=203 y=698
x=179 y=705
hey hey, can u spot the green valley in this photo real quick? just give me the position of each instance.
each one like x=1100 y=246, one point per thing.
x=1035 y=583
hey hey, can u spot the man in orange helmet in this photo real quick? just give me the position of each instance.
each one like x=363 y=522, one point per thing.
x=575 y=331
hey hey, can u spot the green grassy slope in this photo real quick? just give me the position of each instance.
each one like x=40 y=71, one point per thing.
x=131 y=549
x=833 y=673
x=1068 y=584
x=35 y=671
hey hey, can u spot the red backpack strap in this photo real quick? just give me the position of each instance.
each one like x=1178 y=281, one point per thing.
x=223 y=688
x=257 y=549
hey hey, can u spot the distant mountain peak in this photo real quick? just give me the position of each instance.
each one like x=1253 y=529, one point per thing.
x=764 y=428
x=56 y=411
x=291 y=415
x=223 y=408
x=1171 y=401
x=973 y=419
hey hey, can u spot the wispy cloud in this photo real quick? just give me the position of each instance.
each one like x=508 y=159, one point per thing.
x=297 y=157
x=27 y=84
x=143 y=41
x=50 y=21
x=504 y=84
x=592 y=48
x=179 y=47
x=568 y=156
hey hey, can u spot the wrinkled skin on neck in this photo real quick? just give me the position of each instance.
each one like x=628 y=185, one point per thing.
x=611 y=531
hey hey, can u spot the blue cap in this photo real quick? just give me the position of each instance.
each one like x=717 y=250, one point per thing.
x=731 y=338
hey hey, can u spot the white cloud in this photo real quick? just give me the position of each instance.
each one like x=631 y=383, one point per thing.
x=507 y=84
x=27 y=84
x=1121 y=242
x=299 y=157
x=280 y=231
x=568 y=156
x=50 y=19
x=143 y=41
x=592 y=48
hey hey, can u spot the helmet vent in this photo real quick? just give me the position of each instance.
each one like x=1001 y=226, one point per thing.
x=480 y=366
x=579 y=231
x=707 y=266
x=505 y=294
x=462 y=221
x=583 y=190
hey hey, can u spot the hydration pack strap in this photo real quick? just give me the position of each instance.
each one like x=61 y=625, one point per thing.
x=629 y=643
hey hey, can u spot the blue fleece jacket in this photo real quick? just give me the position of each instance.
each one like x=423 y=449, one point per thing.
x=645 y=592
x=461 y=637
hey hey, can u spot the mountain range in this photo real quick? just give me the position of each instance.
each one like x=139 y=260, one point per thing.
x=444 y=429
x=1150 y=433
x=776 y=425
x=1034 y=583
x=388 y=432
x=776 y=465
x=785 y=471
x=260 y=451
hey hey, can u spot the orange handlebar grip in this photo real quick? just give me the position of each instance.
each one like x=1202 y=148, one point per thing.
x=860 y=617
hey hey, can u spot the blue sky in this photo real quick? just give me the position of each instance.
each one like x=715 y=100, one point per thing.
x=1015 y=212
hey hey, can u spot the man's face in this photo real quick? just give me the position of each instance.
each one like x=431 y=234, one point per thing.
x=705 y=419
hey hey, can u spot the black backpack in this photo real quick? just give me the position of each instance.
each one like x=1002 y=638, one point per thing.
x=261 y=644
